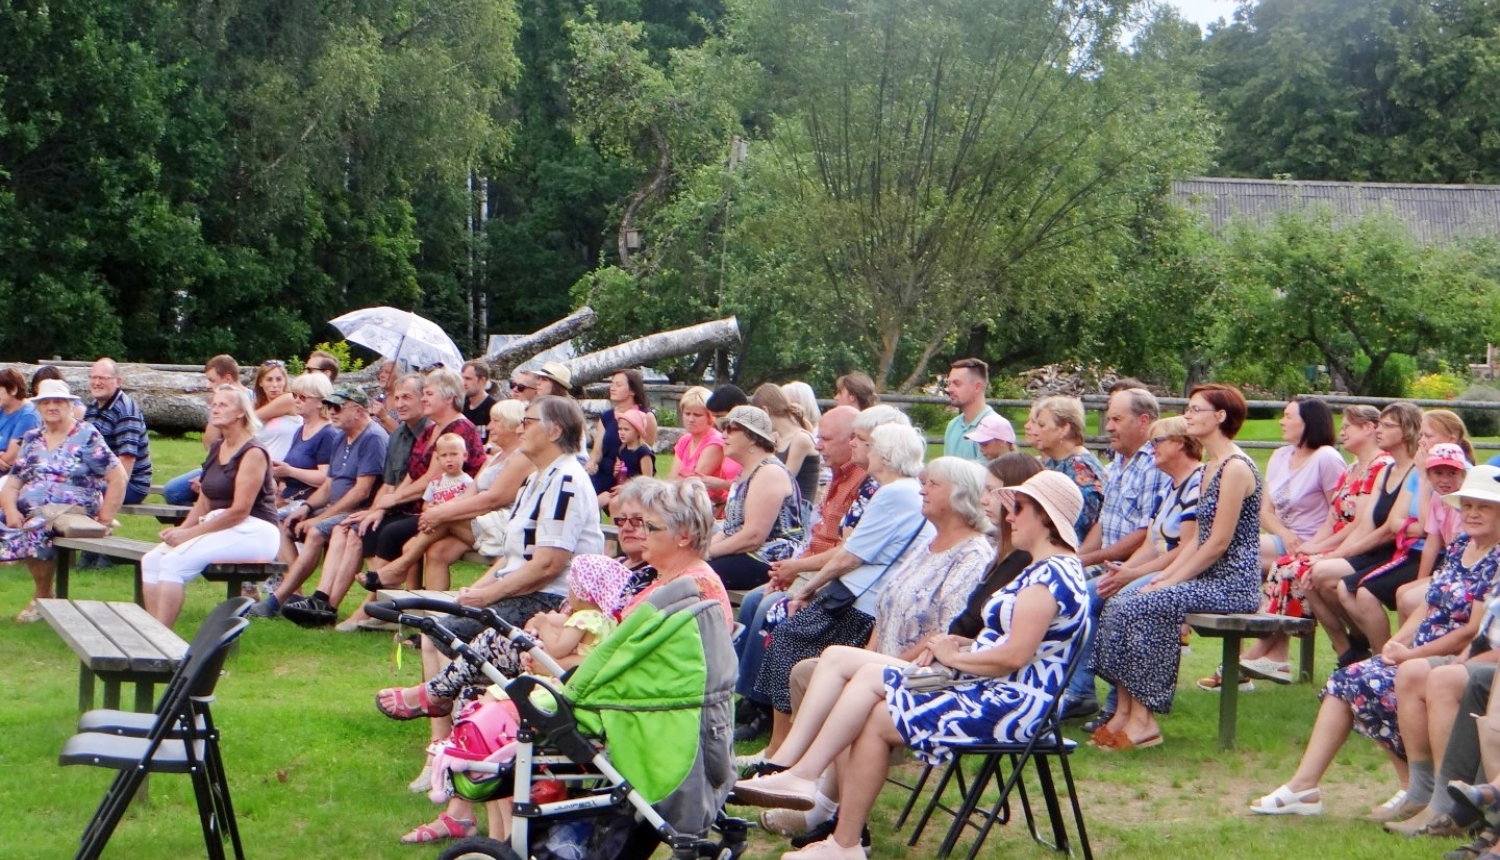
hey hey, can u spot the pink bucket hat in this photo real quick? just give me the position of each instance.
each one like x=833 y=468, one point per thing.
x=637 y=419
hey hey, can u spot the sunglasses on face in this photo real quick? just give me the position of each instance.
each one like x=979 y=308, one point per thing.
x=521 y=386
x=633 y=522
x=335 y=408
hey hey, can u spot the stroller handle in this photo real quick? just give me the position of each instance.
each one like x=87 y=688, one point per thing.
x=395 y=611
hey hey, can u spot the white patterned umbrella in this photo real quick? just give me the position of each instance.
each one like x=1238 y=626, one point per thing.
x=412 y=342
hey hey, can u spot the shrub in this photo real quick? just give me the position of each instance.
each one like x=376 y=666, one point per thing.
x=1439 y=385
x=348 y=363
x=1480 y=422
x=929 y=416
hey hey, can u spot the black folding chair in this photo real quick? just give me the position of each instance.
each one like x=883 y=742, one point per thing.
x=1047 y=743
x=181 y=739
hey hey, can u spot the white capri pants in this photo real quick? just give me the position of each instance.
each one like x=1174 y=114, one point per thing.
x=253 y=540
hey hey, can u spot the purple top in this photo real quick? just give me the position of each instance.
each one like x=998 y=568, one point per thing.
x=1300 y=497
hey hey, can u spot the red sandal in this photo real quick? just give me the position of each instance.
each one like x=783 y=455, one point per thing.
x=445 y=827
x=392 y=702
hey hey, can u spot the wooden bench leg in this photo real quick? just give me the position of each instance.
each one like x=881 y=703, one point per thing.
x=64 y=558
x=112 y=694
x=1229 y=691
x=85 y=689
x=144 y=696
x=1305 y=649
x=140 y=594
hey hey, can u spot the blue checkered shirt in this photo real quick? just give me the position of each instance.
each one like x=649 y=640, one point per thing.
x=1132 y=490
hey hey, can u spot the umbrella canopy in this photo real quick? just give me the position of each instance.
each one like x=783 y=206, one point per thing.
x=412 y=342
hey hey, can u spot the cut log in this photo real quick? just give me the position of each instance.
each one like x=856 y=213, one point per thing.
x=171 y=401
x=521 y=350
x=654 y=347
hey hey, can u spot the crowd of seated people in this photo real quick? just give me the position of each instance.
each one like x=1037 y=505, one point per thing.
x=853 y=557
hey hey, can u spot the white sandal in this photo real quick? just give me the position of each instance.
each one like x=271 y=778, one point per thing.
x=1284 y=801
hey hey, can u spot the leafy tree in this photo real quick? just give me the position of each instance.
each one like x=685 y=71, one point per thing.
x=1306 y=291
x=1382 y=90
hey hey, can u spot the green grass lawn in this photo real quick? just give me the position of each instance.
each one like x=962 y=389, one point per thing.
x=317 y=772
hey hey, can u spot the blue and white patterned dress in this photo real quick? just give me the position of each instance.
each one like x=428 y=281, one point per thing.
x=1369 y=686
x=1006 y=708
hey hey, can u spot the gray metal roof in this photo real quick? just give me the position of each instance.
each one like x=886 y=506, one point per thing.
x=1435 y=214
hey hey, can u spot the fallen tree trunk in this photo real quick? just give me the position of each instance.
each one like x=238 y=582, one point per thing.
x=171 y=401
x=654 y=347
x=521 y=350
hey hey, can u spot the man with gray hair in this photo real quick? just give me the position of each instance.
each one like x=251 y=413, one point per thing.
x=1133 y=487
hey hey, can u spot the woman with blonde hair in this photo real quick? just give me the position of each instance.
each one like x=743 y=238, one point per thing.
x=1056 y=429
x=794 y=440
x=700 y=452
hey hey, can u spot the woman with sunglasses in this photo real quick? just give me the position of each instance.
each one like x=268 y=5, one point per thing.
x=305 y=466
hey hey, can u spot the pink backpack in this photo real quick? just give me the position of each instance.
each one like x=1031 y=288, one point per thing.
x=482 y=731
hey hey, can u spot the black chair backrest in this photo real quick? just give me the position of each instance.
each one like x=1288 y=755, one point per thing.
x=199 y=675
x=211 y=630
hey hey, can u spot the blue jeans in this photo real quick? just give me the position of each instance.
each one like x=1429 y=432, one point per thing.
x=752 y=645
x=179 y=490
x=1081 y=684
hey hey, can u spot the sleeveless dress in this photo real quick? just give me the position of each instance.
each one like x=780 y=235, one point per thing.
x=609 y=428
x=787 y=536
x=1369 y=686
x=1139 y=646
x=1004 y=709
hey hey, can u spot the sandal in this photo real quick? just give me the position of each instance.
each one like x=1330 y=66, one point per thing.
x=1103 y=738
x=1284 y=801
x=29 y=615
x=1477 y=848
x=369 y=581
x=392 y=702
x=1483 y=798
x=445 y=827
x=1123 y=743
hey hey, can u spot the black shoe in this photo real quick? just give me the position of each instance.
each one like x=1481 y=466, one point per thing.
x=761 y=768
x=825 y=830
x=310 y=612
x=1098 y=722
x=1077 y=709
x=757 y=725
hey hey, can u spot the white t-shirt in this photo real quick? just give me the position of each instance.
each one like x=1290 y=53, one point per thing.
x=277 y=435
x=557 y=509
x=445 y=489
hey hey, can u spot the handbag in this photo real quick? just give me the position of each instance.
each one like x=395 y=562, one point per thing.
x=836 y=598
x=930 y=678
x=70 y=521
x=489 y=533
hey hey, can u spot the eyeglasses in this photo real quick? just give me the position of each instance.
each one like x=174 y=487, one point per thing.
x=730 y=428
x=1195 y=408
x=528 y=420
x=335 y=408
x=102 y=378
x=653 y=528
x=1160 y=439
x=296 y=396
x=1393 y=425
x=520 y=386
x=633 y=522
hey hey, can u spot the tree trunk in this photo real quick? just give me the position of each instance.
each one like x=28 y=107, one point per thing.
x=171 y=401
x=654 y=347
x=516 y=353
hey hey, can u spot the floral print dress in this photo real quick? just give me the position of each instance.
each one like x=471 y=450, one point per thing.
x=1370 y=685
x=71 y=474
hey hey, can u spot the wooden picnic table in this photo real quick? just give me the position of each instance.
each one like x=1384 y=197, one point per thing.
x=132 y=550
x=117 y=643
x=1233 y=629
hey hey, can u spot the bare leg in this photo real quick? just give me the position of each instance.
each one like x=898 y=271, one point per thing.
x=1445 y=690
x=41 y=576
x=166 y=604
x=343 y=549
x=439 y=561
x=1411 y=597
x=302 y=568
x=835 y=669
x=412 y=552
x=1325 y=578
x=781 y=726
x=1411 y=709
x=1368 y=615
x=1334 y=723
x=864 y=693
x=864 y=774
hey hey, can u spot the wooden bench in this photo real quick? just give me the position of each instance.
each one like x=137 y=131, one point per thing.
x=166 y=514
x=1233 y=629
x=117 y=643
x=132 y=550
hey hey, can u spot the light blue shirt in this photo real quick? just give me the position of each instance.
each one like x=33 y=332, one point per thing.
x=954 y=443
x=890 y=519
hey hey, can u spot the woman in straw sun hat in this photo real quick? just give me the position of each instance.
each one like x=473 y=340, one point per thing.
x=1008 y=677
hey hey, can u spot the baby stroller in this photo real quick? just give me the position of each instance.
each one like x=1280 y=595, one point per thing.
x=667 y=673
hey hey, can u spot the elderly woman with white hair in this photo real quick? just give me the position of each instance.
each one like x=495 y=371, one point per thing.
x=838 y=605
x=234 y=519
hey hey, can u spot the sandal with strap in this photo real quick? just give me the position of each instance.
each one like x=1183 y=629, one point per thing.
x=1483 y=798
x=1284 y=801
x=1481 y=846
x=29 y=615
x=445 y=827
x=392 y=702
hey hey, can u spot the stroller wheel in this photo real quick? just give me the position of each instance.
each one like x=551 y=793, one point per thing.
x=478 y=848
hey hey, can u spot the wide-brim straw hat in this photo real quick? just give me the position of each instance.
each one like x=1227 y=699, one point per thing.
x=557 y=372
x=1482 y=484
x=752 y=420
x=54 y=389
x=1060 y=498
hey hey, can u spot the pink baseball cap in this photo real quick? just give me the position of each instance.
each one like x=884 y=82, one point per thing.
x=992 y=428
x=1448 y=454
